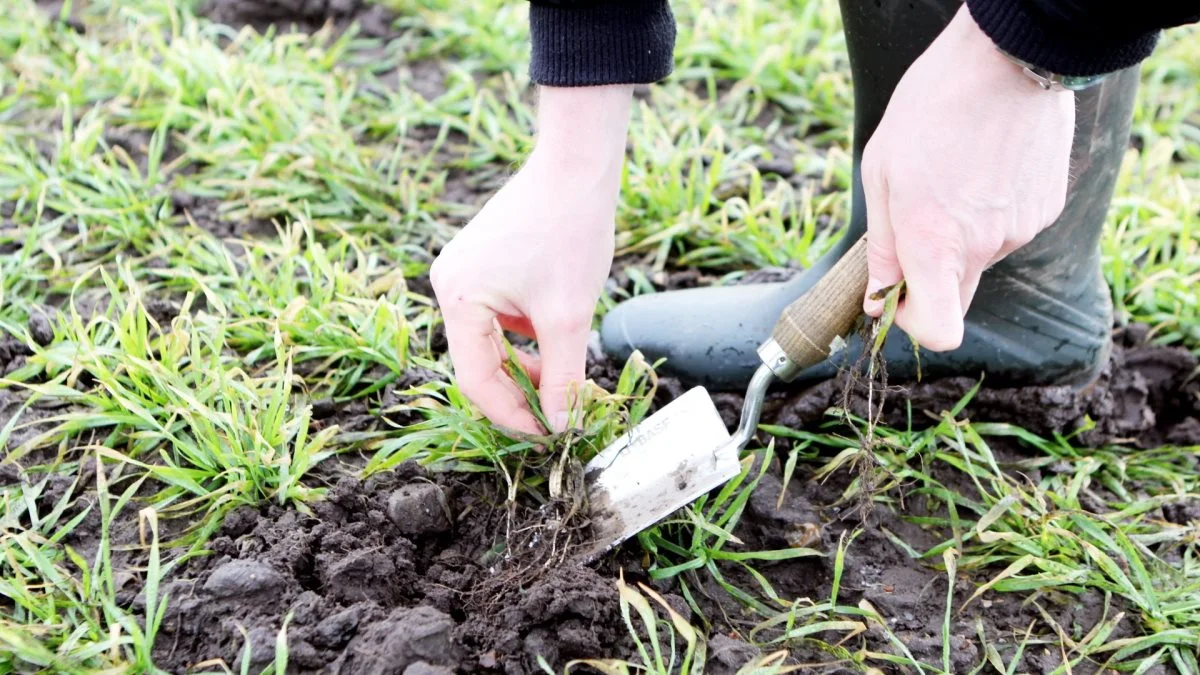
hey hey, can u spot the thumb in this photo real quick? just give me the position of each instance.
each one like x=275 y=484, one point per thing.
x=562 y=343
x=883 y=266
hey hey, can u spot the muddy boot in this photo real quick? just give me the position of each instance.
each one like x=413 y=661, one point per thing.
x=1043 y=315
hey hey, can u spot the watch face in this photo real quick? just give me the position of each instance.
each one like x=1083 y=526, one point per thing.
x=1078 y=83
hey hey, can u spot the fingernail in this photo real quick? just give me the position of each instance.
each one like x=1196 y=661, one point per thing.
x=559 y=422
x=870 y=305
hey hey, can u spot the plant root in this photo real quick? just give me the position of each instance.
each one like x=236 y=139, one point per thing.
x=537 y=537
x=867 y=376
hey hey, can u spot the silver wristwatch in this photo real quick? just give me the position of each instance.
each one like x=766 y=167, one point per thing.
x=1053 y=81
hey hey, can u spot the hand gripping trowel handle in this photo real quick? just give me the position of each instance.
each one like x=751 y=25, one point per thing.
x=808 y=328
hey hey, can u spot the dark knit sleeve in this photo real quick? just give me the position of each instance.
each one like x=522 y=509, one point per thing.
x=592 y=42
x=1080 y=37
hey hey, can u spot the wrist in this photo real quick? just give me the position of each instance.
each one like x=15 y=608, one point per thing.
x=982 y=55
x=1017 y=70
x=582 y=128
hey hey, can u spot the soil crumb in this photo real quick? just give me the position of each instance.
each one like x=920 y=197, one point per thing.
x=419 y=508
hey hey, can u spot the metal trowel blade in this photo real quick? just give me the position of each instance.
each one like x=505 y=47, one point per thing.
x=666 y=462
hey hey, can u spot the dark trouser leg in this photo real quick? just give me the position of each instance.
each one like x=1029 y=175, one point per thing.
x=1042 y=315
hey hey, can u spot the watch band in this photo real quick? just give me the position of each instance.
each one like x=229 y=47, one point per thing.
x=1053 y=81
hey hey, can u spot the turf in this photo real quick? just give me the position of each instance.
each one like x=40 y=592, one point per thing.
x=211 y=235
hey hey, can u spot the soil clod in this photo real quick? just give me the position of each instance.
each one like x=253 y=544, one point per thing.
x=262 y=646
x=40 y=329
x=421 y=634
x=728 y=655
x=337 y=630
x=419 y=508
x=793 y=523
x=1183 y=513
x=241 y=578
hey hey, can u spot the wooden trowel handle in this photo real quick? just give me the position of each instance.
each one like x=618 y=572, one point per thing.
x=808 y=326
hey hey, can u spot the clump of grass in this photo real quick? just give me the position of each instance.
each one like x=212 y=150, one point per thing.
x=724 y=214
x=62 y=612
x=790 y=54
x=180 y=407
x=1149 y=250
x=480 y=37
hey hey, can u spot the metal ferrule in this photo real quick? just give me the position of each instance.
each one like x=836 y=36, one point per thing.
x=777 y=360
x=756 y=391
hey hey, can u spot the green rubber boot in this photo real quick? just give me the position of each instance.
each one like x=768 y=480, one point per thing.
x=1043 y=315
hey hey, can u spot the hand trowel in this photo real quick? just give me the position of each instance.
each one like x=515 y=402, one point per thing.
x=684 y=450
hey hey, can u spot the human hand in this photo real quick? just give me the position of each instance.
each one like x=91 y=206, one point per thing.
x=535 y=259
x=968 y=164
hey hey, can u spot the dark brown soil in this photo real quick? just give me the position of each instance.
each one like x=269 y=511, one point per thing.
x=379 y=578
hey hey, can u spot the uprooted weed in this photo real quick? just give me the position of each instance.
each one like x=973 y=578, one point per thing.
x=866 y=378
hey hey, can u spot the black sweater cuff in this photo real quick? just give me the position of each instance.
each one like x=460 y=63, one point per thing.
x=577 y=44
x=1024 y=32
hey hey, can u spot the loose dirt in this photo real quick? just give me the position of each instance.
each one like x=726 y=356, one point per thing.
x=379 y=578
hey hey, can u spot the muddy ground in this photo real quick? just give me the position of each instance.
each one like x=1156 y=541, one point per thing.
x=389 y=574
